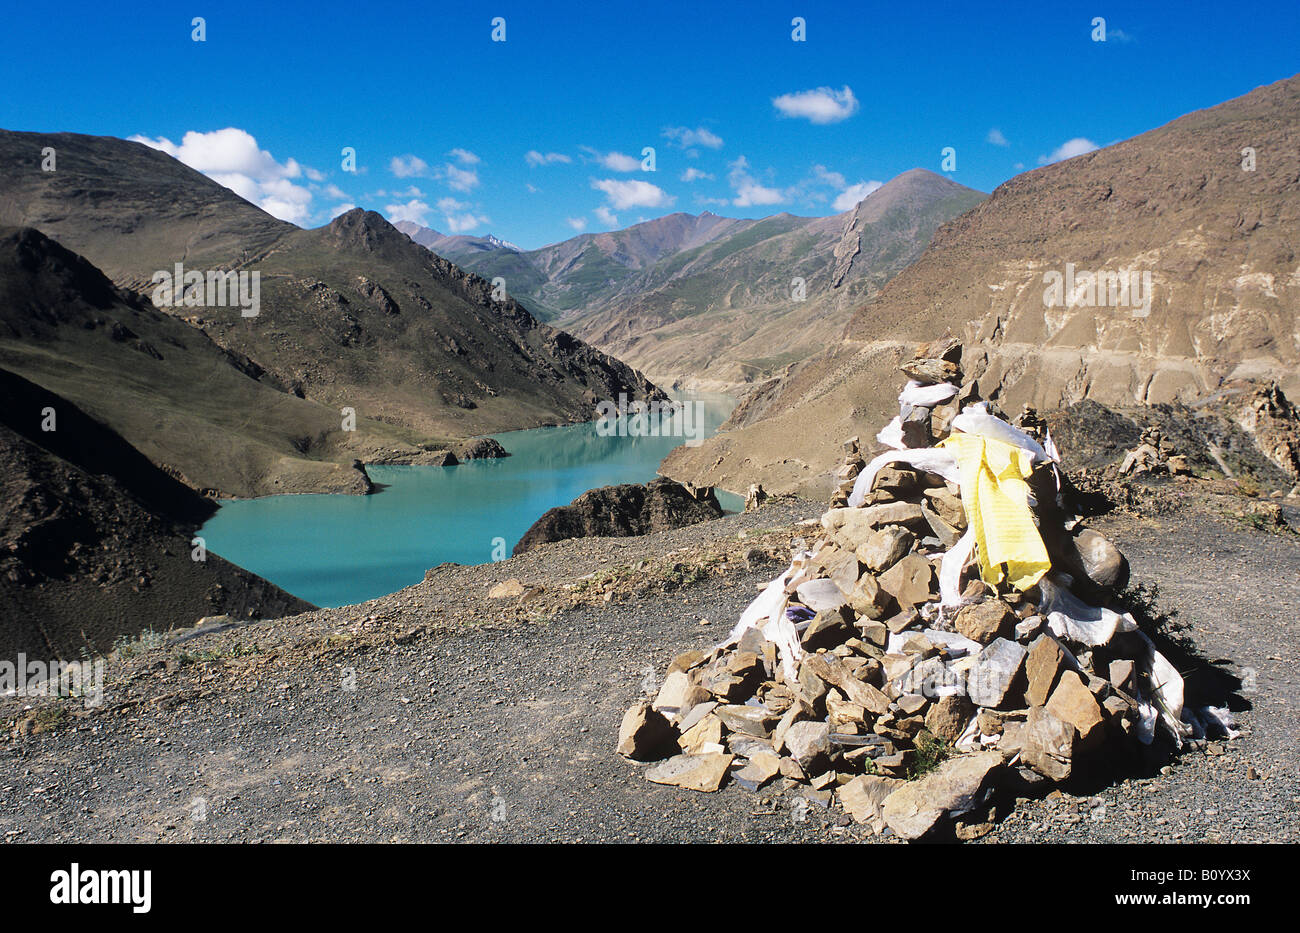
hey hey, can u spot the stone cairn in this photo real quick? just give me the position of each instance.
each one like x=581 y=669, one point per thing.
x=880 y=671
x=1151 y=456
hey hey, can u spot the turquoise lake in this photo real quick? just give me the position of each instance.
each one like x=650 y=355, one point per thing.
x=334 y=550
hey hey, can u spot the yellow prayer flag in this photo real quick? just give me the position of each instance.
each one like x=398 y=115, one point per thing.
x=996 y=498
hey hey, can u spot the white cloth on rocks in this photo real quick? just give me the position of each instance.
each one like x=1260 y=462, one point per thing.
x=1070 y=617
x=769 y=609
x=930 y=459
x=1165 y=702
x=950 y=568
x=926 y=396
x=975 y=419
x=891 y=435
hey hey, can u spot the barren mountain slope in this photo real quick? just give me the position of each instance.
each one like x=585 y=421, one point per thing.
x=710 y=302
x=206 y=415
x=351 y=314
x=95 y=541
x=1221 y=245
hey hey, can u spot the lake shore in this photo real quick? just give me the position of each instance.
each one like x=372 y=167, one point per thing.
x=334 y=550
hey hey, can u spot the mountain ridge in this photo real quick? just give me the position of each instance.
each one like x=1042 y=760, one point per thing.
x=702 y=300
x=1220 y=243
x=353 y=316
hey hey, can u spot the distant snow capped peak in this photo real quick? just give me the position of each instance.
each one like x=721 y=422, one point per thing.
x=502 y=244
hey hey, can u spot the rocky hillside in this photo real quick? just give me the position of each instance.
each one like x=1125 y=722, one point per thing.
x=208 y=416
x=626 y=510
x=352 y=314
x=709 y=302
x=1218 y=242
x=95 y=541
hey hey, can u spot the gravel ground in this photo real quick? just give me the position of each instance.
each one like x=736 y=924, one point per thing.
x=1239 y=589
x=437 y=714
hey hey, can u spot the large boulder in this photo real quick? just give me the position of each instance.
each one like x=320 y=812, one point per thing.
x=623 y=511
x=1098 y=567
x=996 y=679
x=1047 y=744
x=482 y=448
x=960 y=784
x=645 y=734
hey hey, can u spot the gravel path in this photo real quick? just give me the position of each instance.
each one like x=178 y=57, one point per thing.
x=493 y=720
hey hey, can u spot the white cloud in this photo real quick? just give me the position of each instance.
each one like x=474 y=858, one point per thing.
x=464 y=156
x=577 y=223
x=825 y=176
x=1068 y=150
x=231 y=157
x=335 y=192
x=408 y=166
x=850 y=196
x=313 y=174
x=820 y=105
x=749 y=192
x=415 y=210
x=614 y=161
x=694 y=174
x=338 y=209
x=458 y=216
x=464 y=223
x=531 y=188
x=686 y=138
x=812 y=188
x=459 y=179
x=606 y=216
x=751 y=195
x=620 y=162
x=282 y=198
x=996 y=138
x=535 y=158
x=633 y=193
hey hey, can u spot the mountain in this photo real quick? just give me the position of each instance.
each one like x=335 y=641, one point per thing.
x=453 y=247
x=351 y=315
x=708 y=301
x=95 y=541
x=1220 y=242
x=202 y=413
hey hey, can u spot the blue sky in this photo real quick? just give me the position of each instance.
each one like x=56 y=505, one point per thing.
x=743 y=120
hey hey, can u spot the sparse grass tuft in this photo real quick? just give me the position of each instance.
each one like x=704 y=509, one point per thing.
x=931 y=751
x=51 y=717
x=125 y=647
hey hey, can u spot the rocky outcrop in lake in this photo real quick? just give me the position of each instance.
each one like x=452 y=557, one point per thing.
x=623 y=511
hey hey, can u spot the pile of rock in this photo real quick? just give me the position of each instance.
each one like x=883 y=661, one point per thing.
x=1151 y=456
x=883 y=672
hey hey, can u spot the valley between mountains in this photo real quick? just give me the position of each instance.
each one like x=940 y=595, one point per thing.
x=127 y=417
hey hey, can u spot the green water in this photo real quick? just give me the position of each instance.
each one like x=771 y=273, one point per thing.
x=334 y=550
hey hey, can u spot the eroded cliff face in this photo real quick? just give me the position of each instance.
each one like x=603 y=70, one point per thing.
x=1188 y=234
